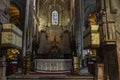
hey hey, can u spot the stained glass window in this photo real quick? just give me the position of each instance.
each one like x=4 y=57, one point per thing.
x=54 y=17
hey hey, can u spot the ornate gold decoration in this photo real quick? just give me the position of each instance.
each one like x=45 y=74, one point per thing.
x=14 y=14
x=92 y=37
x=12 y=54
x=92 y=19
x=95 y=38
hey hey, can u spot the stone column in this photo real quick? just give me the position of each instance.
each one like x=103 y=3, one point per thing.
x=38 y=20
x=30 y=27
x=25 y=36
x=25 y=27
x=78 y=26
x=99 y=72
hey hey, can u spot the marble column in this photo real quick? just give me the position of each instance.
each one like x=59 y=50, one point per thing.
x=30 y=27
x=78 y=25
x=26 y=26
x=24 y=68
x=78 y=29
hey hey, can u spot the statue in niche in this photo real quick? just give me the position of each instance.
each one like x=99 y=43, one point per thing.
x=55 y=51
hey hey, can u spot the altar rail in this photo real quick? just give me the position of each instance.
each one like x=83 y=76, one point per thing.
x=53 y=65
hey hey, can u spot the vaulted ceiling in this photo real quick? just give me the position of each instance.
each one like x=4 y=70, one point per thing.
x=45 y=3
x=44 y=8
x=17 y=9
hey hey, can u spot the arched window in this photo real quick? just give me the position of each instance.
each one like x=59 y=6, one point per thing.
x=54 y=17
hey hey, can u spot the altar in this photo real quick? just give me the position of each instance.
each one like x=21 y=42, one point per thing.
x=53 y=65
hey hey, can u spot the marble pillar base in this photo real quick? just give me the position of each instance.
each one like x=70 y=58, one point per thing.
x=99 y=72
x=76 y=65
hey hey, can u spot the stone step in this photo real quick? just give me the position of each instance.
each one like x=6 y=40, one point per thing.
x=36 y=77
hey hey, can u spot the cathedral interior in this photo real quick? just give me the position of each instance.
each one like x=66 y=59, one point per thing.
x=78 y=38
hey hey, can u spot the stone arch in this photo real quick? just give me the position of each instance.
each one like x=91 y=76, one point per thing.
x=48 y=7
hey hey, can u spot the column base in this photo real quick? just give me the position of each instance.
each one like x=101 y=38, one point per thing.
x=76 y=65
x=99 y=72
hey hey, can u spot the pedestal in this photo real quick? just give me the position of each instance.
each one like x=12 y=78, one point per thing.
x=76 y=65
x=26 y=65
x=99 y=72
